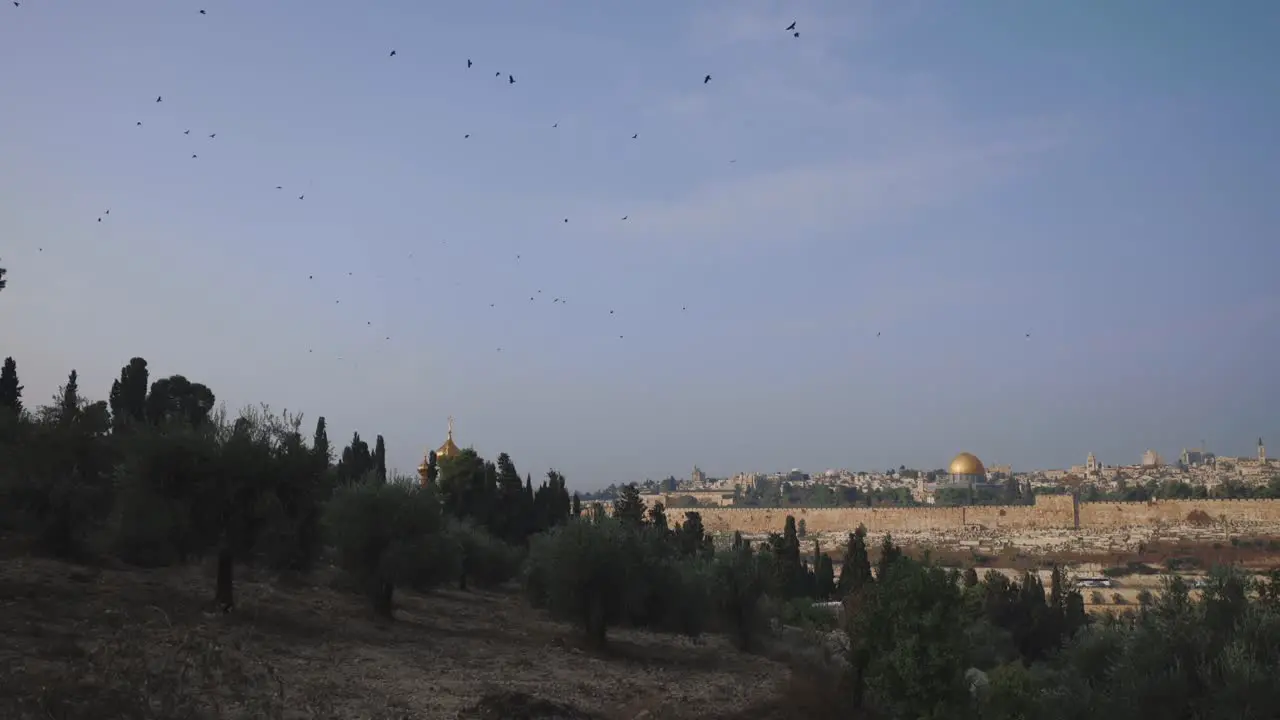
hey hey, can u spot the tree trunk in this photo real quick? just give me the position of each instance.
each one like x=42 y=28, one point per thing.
x=223 y=594
x=595 y=622
x=382 y=598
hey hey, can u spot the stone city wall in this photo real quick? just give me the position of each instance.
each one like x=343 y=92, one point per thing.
x=1048 y=512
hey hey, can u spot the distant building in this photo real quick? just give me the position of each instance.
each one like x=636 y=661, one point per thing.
x=967 y=470
x=1151 y=459
x=447 y=450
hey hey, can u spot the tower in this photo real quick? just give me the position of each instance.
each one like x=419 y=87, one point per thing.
x=1091 y=465
x=1262 y=452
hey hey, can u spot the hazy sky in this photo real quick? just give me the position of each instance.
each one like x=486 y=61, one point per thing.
x=953 y=175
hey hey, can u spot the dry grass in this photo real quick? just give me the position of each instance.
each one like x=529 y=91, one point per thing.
x=80 y=643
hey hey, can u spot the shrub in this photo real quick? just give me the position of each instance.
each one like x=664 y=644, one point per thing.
x=601 y=572
x=738 y=591
x=486 y=561
x=390 y=534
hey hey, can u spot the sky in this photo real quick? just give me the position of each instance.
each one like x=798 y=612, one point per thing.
x=833 y=254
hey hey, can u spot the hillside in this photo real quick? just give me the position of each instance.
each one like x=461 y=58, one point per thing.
x=78 y=642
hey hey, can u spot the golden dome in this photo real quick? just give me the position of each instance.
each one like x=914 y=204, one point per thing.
x=448 y=449
x=967 y=464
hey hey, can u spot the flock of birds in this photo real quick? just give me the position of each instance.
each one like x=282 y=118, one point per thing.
x=511 y=80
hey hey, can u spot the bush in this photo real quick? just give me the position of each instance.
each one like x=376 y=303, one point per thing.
x=390 y=534
x=738 y=592
x=601 y=572
x=486 y=561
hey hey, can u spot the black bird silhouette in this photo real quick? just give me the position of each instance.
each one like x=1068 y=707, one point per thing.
x=877 y=334
x=566 y=219
x=511 y=80
x=464 y=137
x=393 y=54
x=624 y=217
x=203 y=12
x=633 y=137
x=159 y=98
x=497 y=74
x=1028 y=334
x=214 y=135
x=684 y=308
x=792 y=26
x=555 y=125
x=796 y=34
x=16 y=3
x=279 y=187
x=311 y=277
x=706 y=80
x=468 y=62
x=302 y=196
x=139 y=123
x=108 y=212
x=186 y=132
x=99 y=219
x=193 y=156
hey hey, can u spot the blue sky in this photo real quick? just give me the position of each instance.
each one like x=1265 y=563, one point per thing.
x=951 y=175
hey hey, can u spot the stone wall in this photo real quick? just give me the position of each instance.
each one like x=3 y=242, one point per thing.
x=1172 y=512
x=1049 y=512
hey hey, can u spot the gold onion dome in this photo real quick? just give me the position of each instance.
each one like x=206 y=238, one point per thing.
x=448 y=449
x=967 y=464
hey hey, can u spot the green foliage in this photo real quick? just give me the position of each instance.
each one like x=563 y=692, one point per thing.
x=486 y=561
x=10 y=389
x=391 y=534
x=855 y=568
x=604 y=572
x=629 y=508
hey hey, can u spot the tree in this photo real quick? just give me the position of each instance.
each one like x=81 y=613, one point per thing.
x=320 y=443
x=68 y=400
x=177 y=399
x=10 y=390
x=380 y=458
x=824 y=574
x=389 y=535
x=356 y=460
x=629 y=507
x=658 y=517
x=855 y=569
x=128 y=398
x=576 y=509
x=889 y=554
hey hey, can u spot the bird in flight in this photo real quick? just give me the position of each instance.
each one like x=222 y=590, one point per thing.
x=555 y=125
x=279 y=187
x=203 y=12
x=624 y=217
x=877 y=334
x=633 y=137
x=302 y=196
x=468 y=62
x=193 y=156
x=792 y=26
x=139 y=123
x=464 y=137
x=214 y=135
x=186 y=132
x=159 y=98
x=511 y=80
x=706 y=80
x=393 y=54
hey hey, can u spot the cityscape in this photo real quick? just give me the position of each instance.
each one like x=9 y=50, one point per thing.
x=1195 y=472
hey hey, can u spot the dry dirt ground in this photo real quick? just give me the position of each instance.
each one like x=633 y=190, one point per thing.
x=103 y=643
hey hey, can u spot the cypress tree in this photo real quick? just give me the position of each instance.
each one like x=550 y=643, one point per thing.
x=10 y=390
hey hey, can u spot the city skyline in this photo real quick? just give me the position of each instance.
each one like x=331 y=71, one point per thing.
x=1026 y=232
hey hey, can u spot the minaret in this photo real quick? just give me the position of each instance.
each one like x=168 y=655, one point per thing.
x=1262 y=452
